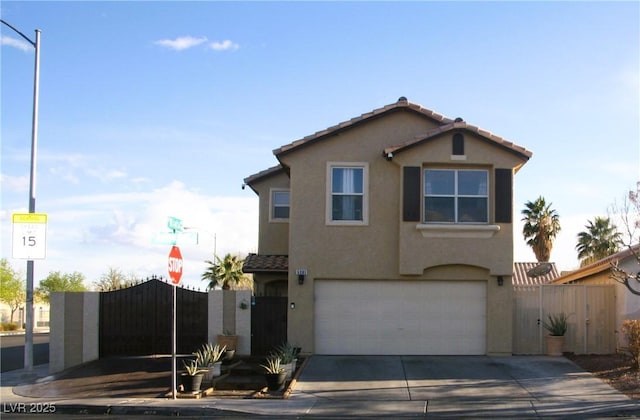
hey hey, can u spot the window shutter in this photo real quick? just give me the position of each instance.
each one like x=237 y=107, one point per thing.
x=503 y=198
x=411 y=193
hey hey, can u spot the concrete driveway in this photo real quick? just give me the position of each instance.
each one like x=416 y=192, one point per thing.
x=530 y=386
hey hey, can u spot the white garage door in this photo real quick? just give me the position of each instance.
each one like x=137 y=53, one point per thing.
x=400 y=317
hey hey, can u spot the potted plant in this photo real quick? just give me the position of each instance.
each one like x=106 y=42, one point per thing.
x=557 y=327
x=192 y=377
x=209 y=357
x=228 y=339
x=288 y=358
x=275 y=375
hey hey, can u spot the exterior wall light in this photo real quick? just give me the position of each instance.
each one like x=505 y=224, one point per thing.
x=500 y=280
x=301 y=275
x=292 y=305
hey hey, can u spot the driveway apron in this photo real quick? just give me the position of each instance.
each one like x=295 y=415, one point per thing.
x=457 y=385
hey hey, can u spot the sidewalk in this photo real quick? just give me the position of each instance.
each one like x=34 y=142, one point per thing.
x=331 y=387
x=13 y=382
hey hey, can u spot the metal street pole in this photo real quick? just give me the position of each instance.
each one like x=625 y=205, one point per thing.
x=28 y=339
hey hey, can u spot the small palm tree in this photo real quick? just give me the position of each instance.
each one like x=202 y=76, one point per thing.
x=600 y=240
x=542 y=224
x=225 y=273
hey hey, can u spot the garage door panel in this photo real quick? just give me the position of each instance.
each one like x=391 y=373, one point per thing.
x=400 y=317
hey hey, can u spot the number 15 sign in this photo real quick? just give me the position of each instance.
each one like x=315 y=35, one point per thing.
x=29 y=236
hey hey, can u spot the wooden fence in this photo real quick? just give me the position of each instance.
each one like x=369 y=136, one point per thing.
x=591 y=311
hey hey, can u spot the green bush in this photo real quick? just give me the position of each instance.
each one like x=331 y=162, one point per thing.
x=631 y=330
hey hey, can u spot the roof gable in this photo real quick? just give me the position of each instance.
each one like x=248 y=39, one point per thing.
x=460 y=125
x=446 y=125
x=401 y=105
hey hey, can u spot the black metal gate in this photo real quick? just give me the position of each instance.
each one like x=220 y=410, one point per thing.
x=268 y=324
x=136 y=321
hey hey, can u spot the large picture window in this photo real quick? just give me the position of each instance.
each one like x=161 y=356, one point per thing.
x=347 y=193
x=456 y=196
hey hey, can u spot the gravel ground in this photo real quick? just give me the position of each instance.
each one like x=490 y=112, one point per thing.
x=614 y=369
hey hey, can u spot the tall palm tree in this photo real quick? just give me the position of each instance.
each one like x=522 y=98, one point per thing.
x=225 y=273
x=542 y=224
x=600 y=240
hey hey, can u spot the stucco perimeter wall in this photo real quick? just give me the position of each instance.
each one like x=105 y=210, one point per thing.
x=74 y=329
x=226 y=313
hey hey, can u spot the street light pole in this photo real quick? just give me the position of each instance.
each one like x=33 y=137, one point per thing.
x=28 y=338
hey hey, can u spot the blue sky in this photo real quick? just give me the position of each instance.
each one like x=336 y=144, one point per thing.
x=156 y=109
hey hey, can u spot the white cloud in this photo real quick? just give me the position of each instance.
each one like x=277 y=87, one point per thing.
x=14 y=183
x=225 y=45
x=92 y=232
x=15 y=43
x=181 y=43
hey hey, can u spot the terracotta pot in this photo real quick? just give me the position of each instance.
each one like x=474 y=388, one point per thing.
x=231 y=341
x=554 y=344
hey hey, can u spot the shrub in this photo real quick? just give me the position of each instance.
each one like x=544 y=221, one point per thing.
x=631 y=330
x=8 y=326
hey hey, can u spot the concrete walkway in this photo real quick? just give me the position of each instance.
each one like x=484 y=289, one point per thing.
x=376 y=386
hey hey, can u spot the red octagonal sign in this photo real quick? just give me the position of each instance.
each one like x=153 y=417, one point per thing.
x=175 y=265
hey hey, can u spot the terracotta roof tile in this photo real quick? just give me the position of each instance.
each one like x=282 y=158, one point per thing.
x=598 y=266
x=255 y=263
x=521 y=278
x=263 y=174
x=459 y=125
x=402 y=103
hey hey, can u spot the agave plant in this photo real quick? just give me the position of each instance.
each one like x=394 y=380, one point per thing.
x=286 y=353
x=273 y=365
x=557 y=324
x=192 y=367
x=209 y=354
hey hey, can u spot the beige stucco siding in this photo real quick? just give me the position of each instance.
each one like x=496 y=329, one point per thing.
x=387 y=248
x=273 y=237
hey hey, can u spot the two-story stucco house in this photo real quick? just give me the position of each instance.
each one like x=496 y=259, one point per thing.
x=391 y=233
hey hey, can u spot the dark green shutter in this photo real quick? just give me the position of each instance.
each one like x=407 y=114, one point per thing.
x=503 y=197
x=411 y=193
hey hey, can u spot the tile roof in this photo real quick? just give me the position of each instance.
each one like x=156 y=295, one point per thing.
x=255 y=263
x=446 y=124
x=263 y=174
x=458 y=124
x=402 y=103
x=598 y=266
x=521 y=278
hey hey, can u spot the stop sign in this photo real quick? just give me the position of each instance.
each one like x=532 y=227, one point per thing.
x=175 y=265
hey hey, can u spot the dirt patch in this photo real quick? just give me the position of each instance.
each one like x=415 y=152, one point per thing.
x=615 y=369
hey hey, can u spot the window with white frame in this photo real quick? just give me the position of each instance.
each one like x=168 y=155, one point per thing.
x=456 y=196
x=347 y=193
x=280 y=205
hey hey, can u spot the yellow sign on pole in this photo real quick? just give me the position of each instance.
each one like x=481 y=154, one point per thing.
x=29 y=236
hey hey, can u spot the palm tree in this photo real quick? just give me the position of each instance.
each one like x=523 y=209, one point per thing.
x=542 y=224
x=225 y=273
x=600 y=240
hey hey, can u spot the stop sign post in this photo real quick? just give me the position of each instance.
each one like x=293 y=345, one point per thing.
x=175 y=265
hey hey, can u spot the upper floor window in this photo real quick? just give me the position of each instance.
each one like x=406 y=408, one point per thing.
x=456 y=196
x=347 y=193
x=457 y=144
x=279 y=205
